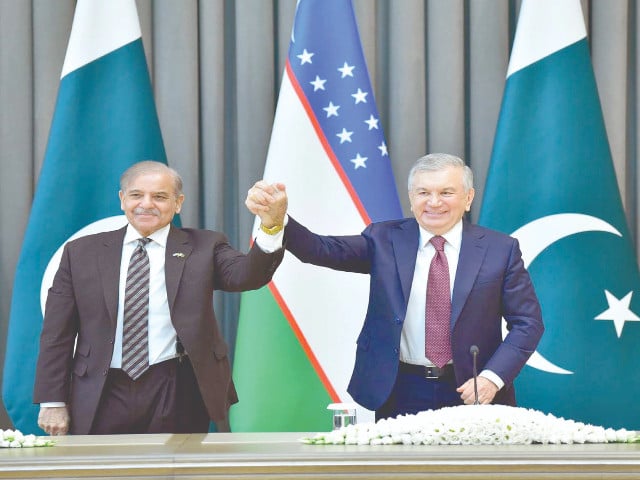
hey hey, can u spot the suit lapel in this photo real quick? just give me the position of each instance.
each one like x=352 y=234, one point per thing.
x=472 y=252
x=109 y=259
x=405 y=238
x=176 y=255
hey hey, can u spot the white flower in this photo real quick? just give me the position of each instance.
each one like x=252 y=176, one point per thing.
x=16 y=439
x=474 y=425
x=610 y=435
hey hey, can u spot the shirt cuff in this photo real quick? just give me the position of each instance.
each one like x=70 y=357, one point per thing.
x=489 y=375
x=52 y=404
x=269 y=243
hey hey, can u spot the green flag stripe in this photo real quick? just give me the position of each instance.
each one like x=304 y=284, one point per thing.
x=303 y=343
x=277 y=384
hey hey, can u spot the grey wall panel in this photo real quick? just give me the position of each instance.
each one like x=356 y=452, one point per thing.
x=488 y=45
x=406 y=90
x=609 y=52
x=445 y=72
x=176 y=88
x=213 y=102
x=254 y=98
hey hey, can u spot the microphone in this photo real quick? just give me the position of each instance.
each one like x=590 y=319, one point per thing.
x=474 y=351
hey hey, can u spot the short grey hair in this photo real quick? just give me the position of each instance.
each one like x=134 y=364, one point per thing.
x=438 y=161
x=150 y=166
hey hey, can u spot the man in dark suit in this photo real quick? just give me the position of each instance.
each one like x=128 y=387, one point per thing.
x=95 y=375
x=398 y=370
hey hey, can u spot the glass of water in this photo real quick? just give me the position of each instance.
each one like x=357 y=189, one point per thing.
x=344 y=414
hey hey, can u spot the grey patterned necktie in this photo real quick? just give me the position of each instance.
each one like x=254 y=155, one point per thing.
x=135 y=340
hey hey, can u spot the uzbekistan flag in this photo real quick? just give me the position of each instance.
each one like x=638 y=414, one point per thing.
x=104 y=121
x=552 y=185
x=296 y=345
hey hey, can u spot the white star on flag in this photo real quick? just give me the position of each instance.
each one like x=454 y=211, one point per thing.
x=359 y=161
x=344 y=135
x=360 y=96
x=331 y=109
x=305 y=57
x=318 y=83
x=372 y=122
x=618 y=311
x=346 y=70
x=383 y=149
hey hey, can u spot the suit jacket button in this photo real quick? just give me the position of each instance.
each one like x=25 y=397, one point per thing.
x=105 y=372
x=397 y=320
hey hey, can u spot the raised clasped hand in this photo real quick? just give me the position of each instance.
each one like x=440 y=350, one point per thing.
x=268 y=201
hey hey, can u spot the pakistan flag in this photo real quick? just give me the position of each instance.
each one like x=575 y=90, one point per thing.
x=552 y=185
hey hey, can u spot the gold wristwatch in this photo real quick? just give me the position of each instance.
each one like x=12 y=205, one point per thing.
x=271 y=230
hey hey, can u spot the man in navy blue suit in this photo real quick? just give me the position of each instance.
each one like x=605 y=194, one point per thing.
x=393 y=373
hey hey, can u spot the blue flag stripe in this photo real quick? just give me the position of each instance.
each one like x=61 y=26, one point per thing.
x=327 y=60
x=326 y=144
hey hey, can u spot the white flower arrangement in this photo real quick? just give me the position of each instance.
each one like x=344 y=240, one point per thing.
x=15 y=439
x=472 y=425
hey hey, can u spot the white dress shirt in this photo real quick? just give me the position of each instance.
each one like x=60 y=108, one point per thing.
x=162 y=335
x=412 y=342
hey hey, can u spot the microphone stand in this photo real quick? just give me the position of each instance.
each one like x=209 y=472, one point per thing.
x=474 y=351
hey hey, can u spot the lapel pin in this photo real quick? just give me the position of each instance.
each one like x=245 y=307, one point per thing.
x=179 y=254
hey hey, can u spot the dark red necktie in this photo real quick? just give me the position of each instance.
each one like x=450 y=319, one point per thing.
x=438 y=308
